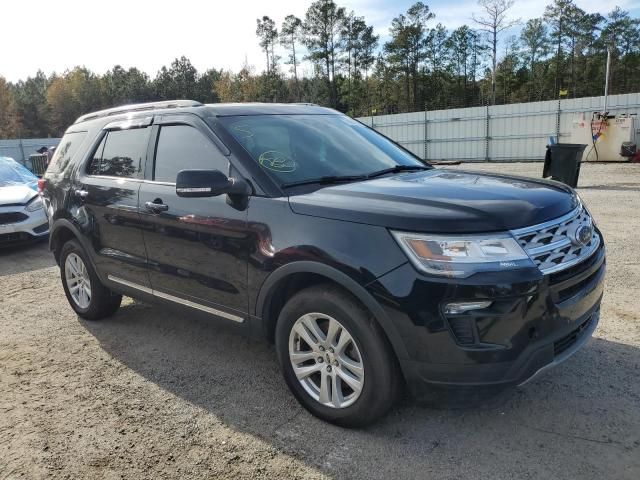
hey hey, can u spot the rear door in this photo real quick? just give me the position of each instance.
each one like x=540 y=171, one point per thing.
x=106 y=196
x=197 y=247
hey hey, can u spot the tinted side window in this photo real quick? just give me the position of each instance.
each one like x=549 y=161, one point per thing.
x=182 y=147
x=123 y=154
x=65 y=151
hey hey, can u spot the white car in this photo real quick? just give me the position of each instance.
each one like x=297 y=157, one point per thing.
x=22 y=215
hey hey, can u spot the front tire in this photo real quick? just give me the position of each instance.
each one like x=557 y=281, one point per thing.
x=88 y=297
x=335 y=358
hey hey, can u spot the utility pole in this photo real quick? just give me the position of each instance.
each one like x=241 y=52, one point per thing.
x=606 y=82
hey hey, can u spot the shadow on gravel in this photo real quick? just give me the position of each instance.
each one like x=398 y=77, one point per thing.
x=25 y=258
x=584 y=405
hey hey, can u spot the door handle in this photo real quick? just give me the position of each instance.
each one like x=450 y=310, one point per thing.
x=156 y=207
x=82 y=194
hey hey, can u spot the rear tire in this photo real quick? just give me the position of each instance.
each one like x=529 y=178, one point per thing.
x=335 y=357
x=88 y=297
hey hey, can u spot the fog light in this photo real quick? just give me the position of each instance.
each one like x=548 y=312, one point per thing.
x=462 y=307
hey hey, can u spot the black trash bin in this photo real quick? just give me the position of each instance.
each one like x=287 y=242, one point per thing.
x=562 y=162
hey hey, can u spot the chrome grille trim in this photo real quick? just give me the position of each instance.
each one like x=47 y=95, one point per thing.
x=550 y=246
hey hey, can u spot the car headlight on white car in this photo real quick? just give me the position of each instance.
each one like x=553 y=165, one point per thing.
x=464 y=255
x=34 y=204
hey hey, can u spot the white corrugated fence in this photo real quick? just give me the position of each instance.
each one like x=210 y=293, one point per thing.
x=515 y=132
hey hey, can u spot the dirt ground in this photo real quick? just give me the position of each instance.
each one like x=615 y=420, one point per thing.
x=151 y=394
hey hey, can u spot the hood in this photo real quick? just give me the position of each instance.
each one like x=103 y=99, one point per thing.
x=441 y=201
x=19 y=194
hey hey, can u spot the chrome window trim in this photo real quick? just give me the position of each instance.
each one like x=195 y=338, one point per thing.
x=159 y=182
x=111 y=177
x=172 y=298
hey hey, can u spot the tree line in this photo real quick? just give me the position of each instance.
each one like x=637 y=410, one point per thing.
x=421 y=65
x=43 y=106
x=424 y=65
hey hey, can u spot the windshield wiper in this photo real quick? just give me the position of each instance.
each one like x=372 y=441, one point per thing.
x=333 y=179
x=326 y=180
x=397 y=169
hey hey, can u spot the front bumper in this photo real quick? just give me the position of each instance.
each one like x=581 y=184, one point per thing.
x=535 y=322
x=563 y=348
x=28 y=227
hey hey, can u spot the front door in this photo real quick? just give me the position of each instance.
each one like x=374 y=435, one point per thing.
x=196 y=247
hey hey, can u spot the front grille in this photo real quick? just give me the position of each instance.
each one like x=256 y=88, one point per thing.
x=8 y=238
x=553 y=245
x=575 y=270
x=13 y=205
x=565 y=342
x=12 y=217
x=569 y=292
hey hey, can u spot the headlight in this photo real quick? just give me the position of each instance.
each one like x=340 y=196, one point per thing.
x=34 y=204
x=462 y=256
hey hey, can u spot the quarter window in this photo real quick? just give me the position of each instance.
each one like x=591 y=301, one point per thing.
x=121 y=154
x=65 y=151
x=181 y=147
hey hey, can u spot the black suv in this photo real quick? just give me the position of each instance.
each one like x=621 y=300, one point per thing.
x=367 y=268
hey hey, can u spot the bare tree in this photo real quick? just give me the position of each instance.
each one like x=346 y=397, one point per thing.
x=494 y=22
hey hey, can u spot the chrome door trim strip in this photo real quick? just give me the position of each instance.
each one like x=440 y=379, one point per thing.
x=198 y=306
x=181 y=301
x=142 y=288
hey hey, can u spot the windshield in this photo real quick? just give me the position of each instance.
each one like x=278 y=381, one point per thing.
x=12 y=173
x=296 y=148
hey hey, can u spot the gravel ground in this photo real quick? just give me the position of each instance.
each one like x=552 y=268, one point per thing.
x=151 y=394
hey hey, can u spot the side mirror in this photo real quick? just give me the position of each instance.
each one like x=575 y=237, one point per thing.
x=209 y=183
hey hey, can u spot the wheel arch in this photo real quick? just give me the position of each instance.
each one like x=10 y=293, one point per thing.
x=293 y=277
x=62 y=231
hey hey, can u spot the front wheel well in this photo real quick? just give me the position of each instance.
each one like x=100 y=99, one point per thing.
x=283 y=291
x=287 y=287
x=290 y=285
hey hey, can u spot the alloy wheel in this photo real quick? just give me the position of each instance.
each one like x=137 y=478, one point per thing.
x=78 y=281
x=326 y=360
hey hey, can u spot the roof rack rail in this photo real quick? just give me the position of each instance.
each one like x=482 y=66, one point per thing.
x=139 y=107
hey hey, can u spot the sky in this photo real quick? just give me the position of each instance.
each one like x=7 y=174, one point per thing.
x=212 y=33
